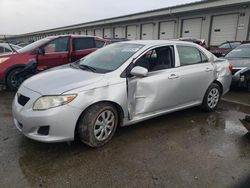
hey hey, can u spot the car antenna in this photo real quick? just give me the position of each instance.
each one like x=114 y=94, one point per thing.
x=14 y=50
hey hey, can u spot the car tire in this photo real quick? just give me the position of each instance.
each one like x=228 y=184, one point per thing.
x=11 y=82
x=211 y=98
x=98 y=124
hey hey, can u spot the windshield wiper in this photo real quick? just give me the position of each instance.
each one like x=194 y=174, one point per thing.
x=86 y=67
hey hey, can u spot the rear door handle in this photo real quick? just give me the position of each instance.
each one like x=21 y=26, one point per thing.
x=173 y=76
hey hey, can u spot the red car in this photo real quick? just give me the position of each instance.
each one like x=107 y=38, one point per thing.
x=48 y=52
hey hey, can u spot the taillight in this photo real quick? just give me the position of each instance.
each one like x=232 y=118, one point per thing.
x=230 y=67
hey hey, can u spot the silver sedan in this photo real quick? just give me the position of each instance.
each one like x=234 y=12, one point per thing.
x=121 y=84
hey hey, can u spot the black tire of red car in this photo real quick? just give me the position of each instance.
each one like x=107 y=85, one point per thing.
x=211 y=98
x=87 y=127
x=11 y=81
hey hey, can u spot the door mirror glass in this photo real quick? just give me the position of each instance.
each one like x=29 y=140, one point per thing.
x=38 y=51
x=41 y=51
x=139 y=71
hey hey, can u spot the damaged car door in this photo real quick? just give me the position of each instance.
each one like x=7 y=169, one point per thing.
x=155 y=91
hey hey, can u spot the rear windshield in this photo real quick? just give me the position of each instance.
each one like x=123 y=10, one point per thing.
x=111 y=57
x=240 y=52
x=33 y=45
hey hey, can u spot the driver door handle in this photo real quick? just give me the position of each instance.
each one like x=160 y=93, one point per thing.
x=173 y=76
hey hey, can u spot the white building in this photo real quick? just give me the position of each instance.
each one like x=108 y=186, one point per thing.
x=216 y=21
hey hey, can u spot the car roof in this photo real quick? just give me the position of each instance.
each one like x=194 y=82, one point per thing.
x=51 y=37
x=158 y=42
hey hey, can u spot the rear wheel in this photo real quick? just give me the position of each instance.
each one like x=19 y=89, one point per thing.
x=211 y=98
x=98 y=124
x=11 y=80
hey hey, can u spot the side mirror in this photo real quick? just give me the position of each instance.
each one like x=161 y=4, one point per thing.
x=39 y=51
x=139 y=71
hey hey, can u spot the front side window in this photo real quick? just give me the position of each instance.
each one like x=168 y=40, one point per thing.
x=57 y=45
x=109 y=58
x=157 y=59
x=83 y=43
x=190 y=55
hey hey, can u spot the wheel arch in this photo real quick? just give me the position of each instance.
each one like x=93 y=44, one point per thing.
x=10 y=69
x=220 y=85
x=117 y=107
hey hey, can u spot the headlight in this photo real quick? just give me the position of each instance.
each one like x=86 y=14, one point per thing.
x=47 y=102
x=3 y=59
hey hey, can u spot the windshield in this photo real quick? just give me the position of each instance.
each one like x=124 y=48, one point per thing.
x=240 y=52
x=16 y=47
x=110 y=58
x=33 y=45
x=229 y=45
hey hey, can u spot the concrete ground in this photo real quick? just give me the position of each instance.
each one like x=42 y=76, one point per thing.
x=189 y=148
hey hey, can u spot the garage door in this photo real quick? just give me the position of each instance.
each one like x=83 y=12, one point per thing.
x=132 y=32
x=167 y=30
x=224 y=28
x=90 y=32
x=98 y=32
x=119 y=32
x=147 y=31
x=107 y=33
x=192 y=28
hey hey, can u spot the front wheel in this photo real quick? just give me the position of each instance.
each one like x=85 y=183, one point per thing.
x=211 y=98
x=12 y=82
x=98 y=124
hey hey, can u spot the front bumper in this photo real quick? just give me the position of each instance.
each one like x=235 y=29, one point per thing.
x=61 y=120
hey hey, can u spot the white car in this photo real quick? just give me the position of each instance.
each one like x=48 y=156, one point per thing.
x=5 y=48
x=121 y=84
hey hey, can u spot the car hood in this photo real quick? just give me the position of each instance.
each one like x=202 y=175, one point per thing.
x=239 y=62
x=61 y=79
x=3 y=55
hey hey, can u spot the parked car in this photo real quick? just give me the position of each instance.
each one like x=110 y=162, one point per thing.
x=48 y=52
x=240 y=59
x=200 y=42
x=224 y=48
x=8 y=48
x=118 y=85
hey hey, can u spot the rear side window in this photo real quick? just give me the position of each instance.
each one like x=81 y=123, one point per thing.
x=1 y=50
x=190 y=55
x=99 y=43
x=83 y=43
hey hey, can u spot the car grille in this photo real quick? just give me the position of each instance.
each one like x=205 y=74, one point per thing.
x=22 y=100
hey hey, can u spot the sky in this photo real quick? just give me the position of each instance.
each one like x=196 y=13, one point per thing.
x=24 y=16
